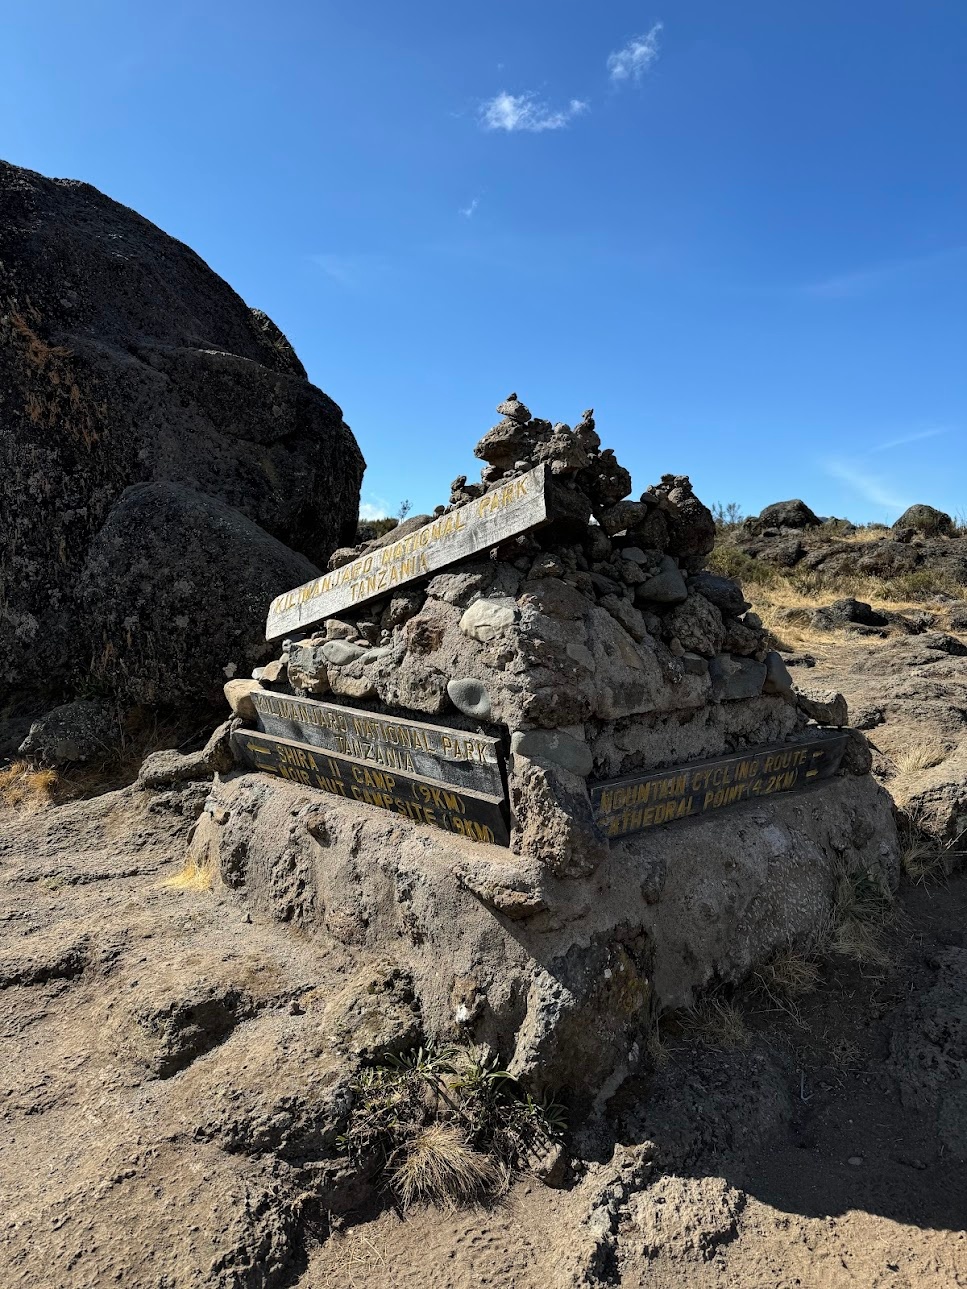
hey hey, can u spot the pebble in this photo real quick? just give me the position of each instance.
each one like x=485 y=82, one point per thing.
x=855 y=1161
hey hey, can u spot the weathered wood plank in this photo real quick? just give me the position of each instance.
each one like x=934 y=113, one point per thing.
x=639 y=801
x=429 y=751
x=478 y=525
x=468 y=814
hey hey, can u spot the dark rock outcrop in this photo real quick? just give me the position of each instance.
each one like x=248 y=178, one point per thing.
x=788 y=514
x=927 y=520
x=172 y=594
x=125 y=360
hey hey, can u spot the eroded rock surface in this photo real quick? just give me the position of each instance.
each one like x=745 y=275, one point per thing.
x=125 y=361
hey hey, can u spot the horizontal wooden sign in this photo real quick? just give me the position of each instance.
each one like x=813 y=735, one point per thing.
x=504 y=512
x=639 y=801
x=468 y=814
x=428 y=751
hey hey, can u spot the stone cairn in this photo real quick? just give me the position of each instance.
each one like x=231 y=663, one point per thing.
x=593 y=646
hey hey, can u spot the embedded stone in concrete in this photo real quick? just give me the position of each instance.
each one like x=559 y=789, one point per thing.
x=736 y=678
x=238 y=694
x=341 y=652
x=720 y=591
x=470 y=697
x=371 y=655
x=306 y=667
x=778 y=680
x=824 y=706
x=695 y=664
x=554 y=746
x=485 y=619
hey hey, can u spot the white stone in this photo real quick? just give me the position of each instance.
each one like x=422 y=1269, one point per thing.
x=486 y=619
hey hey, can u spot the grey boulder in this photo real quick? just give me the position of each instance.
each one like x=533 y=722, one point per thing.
x=73 y=733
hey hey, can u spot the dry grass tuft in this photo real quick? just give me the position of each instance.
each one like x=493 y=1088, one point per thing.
x=862 y=911
x=438 y=1166
x=919 y=756
x=787 y=978
x=716 y=1022
x=194 y=876
x=910 y=762
x=25 y=788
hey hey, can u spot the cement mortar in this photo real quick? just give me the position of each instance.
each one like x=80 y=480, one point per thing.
x=565 y=982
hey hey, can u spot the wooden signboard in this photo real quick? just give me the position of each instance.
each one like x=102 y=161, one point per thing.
x=474 y=815
x=427 y=751
x=639 y=801
x=517 y=506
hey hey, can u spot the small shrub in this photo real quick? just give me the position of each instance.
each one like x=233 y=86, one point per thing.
x=729 y=561
x=446 y=1125
x=728 y=516
x=368 y=530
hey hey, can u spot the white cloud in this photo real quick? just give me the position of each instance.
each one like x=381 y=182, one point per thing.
x=872 y=487
x=467 y=211
x=512 y=112
x=890 y=273
x=636 y=58
x=908 y=438
x=375 y=509
x=352 y=272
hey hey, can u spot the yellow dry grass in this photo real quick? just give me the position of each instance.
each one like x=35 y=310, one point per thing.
x=909 y=762
x=922 y=755
x=439 y=1167
x=25 y=788
x=863 y=908
x=194 y=875
x=779 y=604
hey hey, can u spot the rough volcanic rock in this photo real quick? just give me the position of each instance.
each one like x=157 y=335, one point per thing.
x=73 y=733
x=847 y=612
x=927 y=520
x=788 y=514
x=125 y=360
x=172 y=594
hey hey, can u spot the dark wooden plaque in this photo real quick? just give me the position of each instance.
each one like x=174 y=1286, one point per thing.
x=412 y=747
x=424 y=801
x=639 y=801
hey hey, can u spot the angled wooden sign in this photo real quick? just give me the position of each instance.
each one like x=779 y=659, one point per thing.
x=506 y=511
x=638 y=801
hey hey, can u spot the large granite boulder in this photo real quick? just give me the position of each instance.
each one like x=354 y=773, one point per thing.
x=125 y=360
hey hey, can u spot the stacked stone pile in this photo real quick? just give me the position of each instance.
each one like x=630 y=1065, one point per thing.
x=596 y=645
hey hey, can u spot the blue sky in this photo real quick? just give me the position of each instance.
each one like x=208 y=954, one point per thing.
x=735 y=230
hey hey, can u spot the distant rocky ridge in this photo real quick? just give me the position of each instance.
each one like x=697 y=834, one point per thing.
x=923 y=542
x=165 y=466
